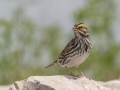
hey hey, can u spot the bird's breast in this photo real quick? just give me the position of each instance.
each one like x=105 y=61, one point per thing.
x=76 y=60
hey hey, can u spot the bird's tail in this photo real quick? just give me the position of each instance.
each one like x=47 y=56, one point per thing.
x=55 y=62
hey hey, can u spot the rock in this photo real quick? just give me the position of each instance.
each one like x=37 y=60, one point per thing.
x=63 y=83
x=114 y=84
x=4 y=87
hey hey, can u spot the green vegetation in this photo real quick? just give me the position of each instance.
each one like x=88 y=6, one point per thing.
x=26 y=48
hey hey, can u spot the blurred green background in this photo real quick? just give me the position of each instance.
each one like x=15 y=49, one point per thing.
x=27 y=45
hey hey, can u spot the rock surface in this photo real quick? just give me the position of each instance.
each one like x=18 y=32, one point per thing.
x=63 y=83
x=4 y=87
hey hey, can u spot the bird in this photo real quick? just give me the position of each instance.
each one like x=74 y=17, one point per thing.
x=76 y=51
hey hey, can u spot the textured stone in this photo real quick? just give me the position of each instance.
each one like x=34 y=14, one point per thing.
x=4 y=87
x=63 y=83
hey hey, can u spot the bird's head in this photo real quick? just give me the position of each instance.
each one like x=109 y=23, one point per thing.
x=80 y=30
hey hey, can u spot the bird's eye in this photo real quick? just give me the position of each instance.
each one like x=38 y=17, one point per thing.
x=80 y=27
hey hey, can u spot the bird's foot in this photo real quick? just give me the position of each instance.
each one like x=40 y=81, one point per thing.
x=86 y=77
x=71 y=74
x=79 y=76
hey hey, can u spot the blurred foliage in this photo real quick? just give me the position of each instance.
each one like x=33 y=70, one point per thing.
x=26 y=48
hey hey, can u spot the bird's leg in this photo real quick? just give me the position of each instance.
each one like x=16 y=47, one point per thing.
x=71 y=74
x=82 y=73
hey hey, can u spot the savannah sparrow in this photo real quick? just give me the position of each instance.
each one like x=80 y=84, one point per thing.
x=76 y=51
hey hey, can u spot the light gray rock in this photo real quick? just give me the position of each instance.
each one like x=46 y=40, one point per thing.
x=4 y=87
x=63 y=83
x=113 y=84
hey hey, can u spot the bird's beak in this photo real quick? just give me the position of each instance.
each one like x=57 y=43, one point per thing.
x=75 y=29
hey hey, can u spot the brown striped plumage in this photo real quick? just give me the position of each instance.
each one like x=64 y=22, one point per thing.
x=77 y=50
